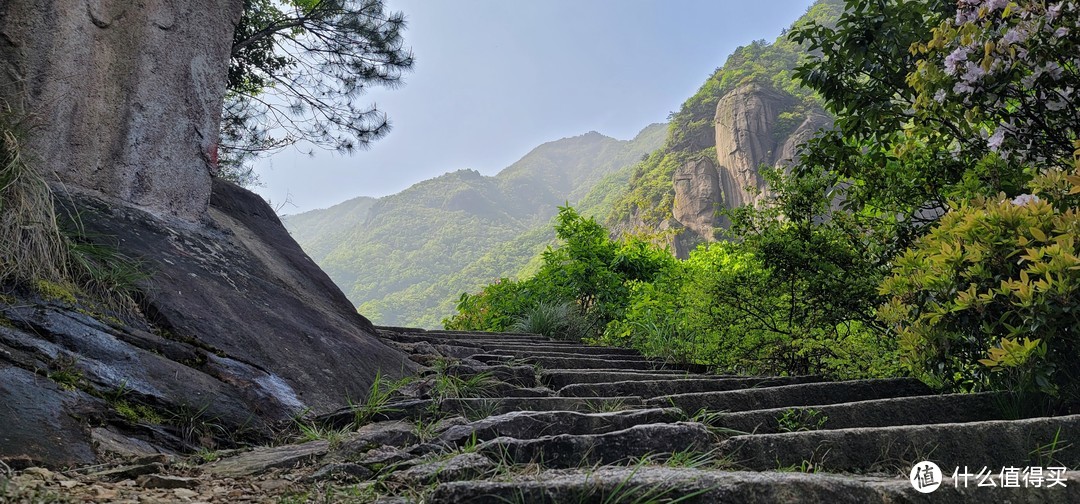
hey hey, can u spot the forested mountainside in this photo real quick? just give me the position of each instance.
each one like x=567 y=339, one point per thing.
x=405 y=258
x=749 y=113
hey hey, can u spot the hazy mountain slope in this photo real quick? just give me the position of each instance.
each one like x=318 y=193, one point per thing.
x=406 y=259
x=320 y=230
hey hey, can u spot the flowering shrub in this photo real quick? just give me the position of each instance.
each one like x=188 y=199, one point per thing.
x=1012 y=69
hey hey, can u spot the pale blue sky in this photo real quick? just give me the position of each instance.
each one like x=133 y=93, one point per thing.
x=495 y=78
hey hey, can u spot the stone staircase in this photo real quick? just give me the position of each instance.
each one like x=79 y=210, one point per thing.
x=513 y=418
x=608 y=425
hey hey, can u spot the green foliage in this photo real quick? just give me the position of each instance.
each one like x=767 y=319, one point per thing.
x=992 y=272
x=377 y=402
x=311 y=431
x=137 y=413
x=588 y=273
x=945 y=112
x=297 y=68
x=555 y=320
x=767 y=305
x=55 y=291
x=65 y=372
x=802 y=419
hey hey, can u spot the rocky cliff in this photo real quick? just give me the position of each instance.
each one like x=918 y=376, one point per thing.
x=236 y=330
x=756 y=126
x=230 y=329
x=751 y=132
x=749 y=113
x=124 y=98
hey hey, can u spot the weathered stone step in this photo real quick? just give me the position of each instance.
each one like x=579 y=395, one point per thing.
x=914 y=410
x=573 y=354
x=551 y=362
x=460 y=335
x=524 y=376
x=498 y=406
x=995 y=444
x=622 y=446
x=559 y=378
x=693 y=486
x=567 y=348
x=804 y=394
x=535 y=424
x=672 y=385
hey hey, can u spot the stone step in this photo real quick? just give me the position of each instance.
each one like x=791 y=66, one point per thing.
x=568 y=348
x=497 y=406
x=622 y=446
x=523 y=376
x=481 y=343
x=914 y=410
x=433 y=334
x=594 y=363
x=535 y=424
x=805 y=394
x=559 y=378
x=664 y=387
x=994 y=444
x=572 y=354
x=694 y=486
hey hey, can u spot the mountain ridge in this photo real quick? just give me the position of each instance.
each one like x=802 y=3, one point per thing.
x=401 y=257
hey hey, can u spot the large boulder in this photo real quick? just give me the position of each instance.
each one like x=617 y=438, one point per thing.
x=235 y=329
x=124 y=97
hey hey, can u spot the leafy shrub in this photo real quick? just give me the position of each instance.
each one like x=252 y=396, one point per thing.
x=991 y=273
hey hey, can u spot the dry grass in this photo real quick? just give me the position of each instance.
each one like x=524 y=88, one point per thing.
x=32 y=247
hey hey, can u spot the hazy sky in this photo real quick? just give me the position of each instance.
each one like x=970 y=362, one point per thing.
x=495 y=78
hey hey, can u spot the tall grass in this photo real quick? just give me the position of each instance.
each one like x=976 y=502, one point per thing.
x=32 y=247
x=554 y=320
x=35 y=250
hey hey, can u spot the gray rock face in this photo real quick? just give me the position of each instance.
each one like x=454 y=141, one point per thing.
x=751 y=131
x=746 y=127
x=697 y=196
x=125 y=96
x=243 y=287
x=41 y=427
x=237 y=329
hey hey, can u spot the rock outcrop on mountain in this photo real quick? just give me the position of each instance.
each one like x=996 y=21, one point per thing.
x=698 y=195
x=747 y=137
x=123 y=98
x=755 y=126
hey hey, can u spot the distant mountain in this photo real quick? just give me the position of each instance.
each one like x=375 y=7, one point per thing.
x=405 y=258
x=320 y=231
